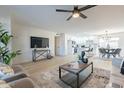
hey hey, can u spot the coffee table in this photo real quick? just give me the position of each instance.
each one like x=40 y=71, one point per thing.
x=76 y=78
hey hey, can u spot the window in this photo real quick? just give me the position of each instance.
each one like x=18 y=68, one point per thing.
x=113 y=42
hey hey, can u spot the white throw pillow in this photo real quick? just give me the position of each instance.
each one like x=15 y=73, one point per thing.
x=5 y=71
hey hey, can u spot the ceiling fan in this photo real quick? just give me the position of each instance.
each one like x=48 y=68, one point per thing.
x=76 y=12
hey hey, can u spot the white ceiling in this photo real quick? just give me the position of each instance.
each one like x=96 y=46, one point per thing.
x=100 y=19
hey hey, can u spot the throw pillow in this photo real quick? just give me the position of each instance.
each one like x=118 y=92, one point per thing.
x=5 y=71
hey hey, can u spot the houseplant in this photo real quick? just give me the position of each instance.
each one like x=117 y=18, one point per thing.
x=6 y=55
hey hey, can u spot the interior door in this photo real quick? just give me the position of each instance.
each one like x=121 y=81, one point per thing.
x=57 y=46
x=69 y=46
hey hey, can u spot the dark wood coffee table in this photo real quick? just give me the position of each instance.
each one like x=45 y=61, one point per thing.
x=76 y=69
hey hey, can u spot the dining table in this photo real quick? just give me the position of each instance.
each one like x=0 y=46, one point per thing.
x=109 y=51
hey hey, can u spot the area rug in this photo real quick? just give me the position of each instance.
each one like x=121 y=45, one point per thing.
x=50 y=79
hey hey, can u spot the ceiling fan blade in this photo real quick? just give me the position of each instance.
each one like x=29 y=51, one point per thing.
x=83 y=16
x=87 y=7
x=61 y=10
x=69 y=18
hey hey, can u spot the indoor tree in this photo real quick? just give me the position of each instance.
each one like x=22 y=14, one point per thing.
x=6 y=55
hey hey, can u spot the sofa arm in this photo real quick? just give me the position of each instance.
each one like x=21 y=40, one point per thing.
x=15 y=77
x=23 y=83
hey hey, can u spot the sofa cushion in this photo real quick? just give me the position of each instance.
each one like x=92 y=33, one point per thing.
x=23 y=83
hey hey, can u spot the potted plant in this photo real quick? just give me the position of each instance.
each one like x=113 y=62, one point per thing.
x=6 y=55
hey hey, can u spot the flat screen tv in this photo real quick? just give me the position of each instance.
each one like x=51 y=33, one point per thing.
x=39 y=42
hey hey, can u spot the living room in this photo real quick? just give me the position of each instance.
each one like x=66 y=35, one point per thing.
x=65 y=38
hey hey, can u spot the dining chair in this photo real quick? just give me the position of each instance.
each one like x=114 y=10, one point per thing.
x=116 y=52
x=102 y=52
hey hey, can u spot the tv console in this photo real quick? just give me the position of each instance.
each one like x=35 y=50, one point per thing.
x=36 y=53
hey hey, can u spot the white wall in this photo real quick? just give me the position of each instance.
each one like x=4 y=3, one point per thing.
x=62 y=44
x=68 y=37
x=6 y=22
x=64 y=38
x=21 y=41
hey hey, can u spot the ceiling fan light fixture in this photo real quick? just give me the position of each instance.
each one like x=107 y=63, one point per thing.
x=76 y=15
x=76 y=12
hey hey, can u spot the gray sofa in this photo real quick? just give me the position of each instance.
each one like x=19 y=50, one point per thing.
x=20 y=79
x=18 y=73
x=23 y=83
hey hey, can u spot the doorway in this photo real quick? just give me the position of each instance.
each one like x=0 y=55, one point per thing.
x=70 y=47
